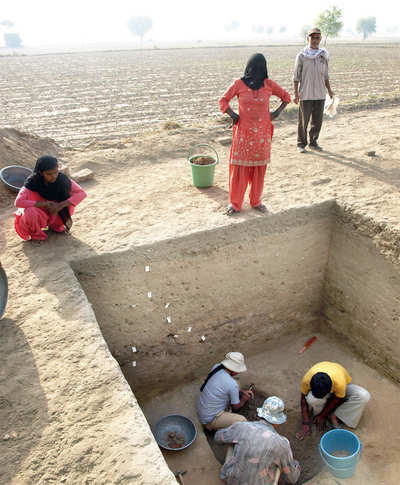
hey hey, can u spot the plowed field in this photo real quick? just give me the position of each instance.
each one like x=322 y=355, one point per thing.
x=80 y=97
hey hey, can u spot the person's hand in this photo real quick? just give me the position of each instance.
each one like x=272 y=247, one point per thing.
x=53 y=207
x=296 y=98
x=250 y=392
x=274 y=114
x=46 y=204
x=305 y=431
x=246 y=395
x=320 y=422
x=235 y=118
x=331 y=93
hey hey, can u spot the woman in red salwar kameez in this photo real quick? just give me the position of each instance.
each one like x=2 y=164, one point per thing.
x=46 y=201
x=252 y=132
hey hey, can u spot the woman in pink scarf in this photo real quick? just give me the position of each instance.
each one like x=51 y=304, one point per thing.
x=46 y=201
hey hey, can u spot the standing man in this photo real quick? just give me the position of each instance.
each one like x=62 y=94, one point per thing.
x=258 y=453
x=220 y=391
x=311 y=81
x=327 y=393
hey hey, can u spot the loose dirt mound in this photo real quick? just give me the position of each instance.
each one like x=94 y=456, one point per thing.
x=18 y=148
x=306 y=451
x=202 y=161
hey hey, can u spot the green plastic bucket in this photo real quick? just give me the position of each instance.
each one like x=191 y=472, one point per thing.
x=202 y=175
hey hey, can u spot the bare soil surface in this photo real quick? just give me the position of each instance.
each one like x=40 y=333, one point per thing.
x=278 y=370
x=113 y=95
x=57 y=404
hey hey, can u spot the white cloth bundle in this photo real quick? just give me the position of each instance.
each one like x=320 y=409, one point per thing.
x=331 y=105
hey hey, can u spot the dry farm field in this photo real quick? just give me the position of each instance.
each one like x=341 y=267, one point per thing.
x=80 y=97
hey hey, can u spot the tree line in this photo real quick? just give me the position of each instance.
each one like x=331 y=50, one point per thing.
x=329 y=22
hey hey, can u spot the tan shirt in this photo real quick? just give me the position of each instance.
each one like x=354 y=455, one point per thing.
x=311 y=75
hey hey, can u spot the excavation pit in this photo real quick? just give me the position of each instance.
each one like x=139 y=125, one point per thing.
x=171 y=310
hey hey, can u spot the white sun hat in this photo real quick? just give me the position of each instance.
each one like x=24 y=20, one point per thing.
x=272 y=410
x=234 y=361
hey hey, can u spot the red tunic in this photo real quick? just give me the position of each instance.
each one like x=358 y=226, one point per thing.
x=251 y=140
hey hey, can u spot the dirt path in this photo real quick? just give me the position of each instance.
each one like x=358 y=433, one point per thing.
x=52 y=365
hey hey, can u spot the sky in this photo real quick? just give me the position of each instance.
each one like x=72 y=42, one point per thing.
x=80 y=22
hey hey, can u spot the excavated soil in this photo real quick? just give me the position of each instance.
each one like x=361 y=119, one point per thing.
x=65 y=406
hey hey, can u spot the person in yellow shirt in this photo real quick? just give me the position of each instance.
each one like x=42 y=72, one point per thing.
x=327 y=393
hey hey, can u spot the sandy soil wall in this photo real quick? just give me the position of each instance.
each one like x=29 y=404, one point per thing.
x=362 y=296
x=74 y=417
x=209 y=282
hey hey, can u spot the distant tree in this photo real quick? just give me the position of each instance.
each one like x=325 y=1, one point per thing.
x=233 y=26
x=330 y=22
x=258 y=29
x=366 y=26
x=12 y=40
x=304 y=31
x=282 y=29
x=269 y=30
x=140 y=26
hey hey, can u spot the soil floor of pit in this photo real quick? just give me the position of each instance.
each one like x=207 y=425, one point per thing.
x=279 y=370
x=141 y=193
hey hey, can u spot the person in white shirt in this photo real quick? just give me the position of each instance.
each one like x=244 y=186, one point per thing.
x=311 y=82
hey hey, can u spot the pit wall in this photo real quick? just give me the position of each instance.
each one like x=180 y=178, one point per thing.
x=362 y=296
x=237 y=287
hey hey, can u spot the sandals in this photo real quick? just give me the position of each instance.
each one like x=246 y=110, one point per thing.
x=68 y=225
x=231 y=211
x=261 y=208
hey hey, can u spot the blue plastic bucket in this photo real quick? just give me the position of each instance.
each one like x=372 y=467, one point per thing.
x=340 y=440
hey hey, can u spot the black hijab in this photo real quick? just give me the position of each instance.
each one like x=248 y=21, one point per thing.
x=57 y=191
x=256 y=72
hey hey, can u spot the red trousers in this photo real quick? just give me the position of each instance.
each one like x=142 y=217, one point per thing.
x=239 y=178
x=30 y=224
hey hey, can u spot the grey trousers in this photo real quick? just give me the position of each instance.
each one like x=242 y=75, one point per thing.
x=313 y=109
x=350 y=411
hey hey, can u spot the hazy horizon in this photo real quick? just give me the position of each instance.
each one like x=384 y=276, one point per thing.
x=62 y=22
